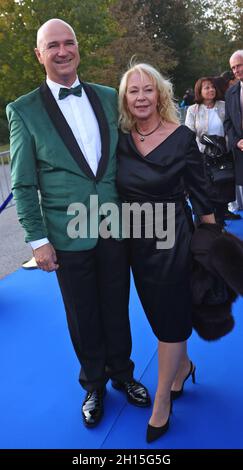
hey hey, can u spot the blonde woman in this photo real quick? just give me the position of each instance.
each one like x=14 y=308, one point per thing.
x=158 y=159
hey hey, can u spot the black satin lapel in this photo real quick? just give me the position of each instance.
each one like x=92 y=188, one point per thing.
x=64 y=130
x=103 y=126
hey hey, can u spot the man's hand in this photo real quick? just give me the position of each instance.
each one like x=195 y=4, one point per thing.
x=240 y=144
x=45 y=257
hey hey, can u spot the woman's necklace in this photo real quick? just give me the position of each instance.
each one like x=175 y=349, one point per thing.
x=142 y=136
x=210 y=105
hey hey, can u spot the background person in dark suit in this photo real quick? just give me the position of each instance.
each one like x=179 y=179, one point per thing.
x=233 y=123
x=63 y=139
x=222 y=83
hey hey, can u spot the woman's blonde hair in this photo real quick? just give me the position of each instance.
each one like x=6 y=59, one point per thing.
x=166 y=105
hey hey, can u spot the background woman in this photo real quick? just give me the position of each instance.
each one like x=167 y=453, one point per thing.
x=206 y=116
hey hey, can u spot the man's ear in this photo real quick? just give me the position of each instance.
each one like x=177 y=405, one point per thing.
x=38 y=55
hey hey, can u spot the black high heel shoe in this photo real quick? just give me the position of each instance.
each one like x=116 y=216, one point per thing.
x=154 y=433
x=177 y=393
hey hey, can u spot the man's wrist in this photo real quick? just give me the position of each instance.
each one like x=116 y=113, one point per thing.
x=38 y=243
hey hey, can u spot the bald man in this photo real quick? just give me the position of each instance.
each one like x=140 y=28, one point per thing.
x=63 y=139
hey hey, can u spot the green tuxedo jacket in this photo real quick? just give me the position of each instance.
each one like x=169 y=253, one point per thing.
x=45 y=156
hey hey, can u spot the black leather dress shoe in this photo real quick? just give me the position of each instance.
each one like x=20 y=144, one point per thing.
x=136 y=393
x=92 y=408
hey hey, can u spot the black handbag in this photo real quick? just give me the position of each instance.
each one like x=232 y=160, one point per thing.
x=219 y=162
x=222 y=173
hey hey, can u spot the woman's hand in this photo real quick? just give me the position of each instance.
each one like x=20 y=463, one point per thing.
x=208 y=219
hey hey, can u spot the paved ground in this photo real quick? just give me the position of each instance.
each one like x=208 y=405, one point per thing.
x=13 y=249
x=5 y=183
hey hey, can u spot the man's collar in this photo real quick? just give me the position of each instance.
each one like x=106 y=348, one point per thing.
x=55 y=87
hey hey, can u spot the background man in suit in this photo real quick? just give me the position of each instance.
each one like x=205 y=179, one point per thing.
x=234 y=117
x=63 y=139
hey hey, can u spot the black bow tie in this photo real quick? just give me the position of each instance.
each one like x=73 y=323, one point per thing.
x=64 y=92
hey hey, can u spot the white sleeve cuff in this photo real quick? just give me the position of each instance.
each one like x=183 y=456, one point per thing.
x=38 y=243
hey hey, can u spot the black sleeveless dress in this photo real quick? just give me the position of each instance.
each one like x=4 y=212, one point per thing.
x=162 y=276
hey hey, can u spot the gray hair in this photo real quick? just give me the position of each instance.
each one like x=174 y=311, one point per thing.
x=49 y=22
x=237 y=53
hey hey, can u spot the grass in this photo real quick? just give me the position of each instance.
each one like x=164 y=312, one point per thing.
x=3 y=148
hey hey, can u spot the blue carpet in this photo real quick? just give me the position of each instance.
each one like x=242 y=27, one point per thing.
x=40 y=398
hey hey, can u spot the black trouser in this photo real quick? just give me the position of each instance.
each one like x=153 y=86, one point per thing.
x=95 y=290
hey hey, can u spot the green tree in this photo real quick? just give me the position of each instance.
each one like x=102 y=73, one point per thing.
x=202 y=34
x=168 y=23
x=133 y=41
x=19 y=21
x=4 y=132
x=227 y=16
x=219 y=35
x=210 y=44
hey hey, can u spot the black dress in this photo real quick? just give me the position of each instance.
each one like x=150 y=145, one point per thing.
x=162 y=276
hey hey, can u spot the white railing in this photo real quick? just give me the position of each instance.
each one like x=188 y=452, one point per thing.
x=5 y=178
